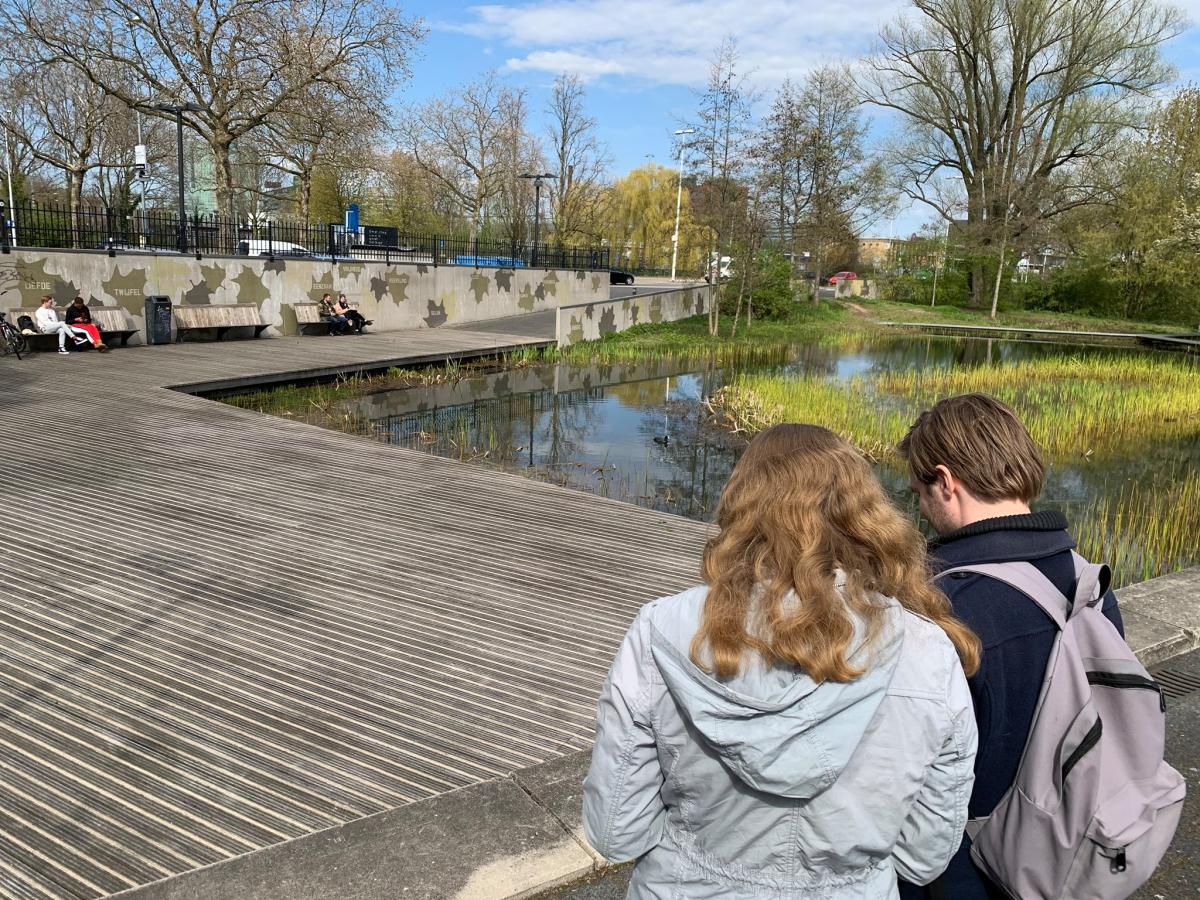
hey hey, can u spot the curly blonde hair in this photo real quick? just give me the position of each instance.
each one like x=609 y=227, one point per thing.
x=801 y=504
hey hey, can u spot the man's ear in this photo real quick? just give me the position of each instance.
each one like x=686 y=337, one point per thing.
x=944 y=481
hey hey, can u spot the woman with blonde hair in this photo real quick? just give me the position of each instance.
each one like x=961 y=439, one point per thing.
x=799 y=726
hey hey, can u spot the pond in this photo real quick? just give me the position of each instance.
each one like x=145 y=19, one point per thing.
x=643 y=432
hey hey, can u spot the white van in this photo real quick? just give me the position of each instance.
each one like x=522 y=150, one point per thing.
x=273 y=248
x=724 y=269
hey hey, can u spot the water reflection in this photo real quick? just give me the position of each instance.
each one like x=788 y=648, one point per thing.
x=639 y=431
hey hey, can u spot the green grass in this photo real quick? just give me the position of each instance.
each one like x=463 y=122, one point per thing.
x=1143 y=531
x=1079 y=409
x=1075 y=407
x=690 y=337
x=891 y=311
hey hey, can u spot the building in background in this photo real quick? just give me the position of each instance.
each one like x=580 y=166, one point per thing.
x=879 y=254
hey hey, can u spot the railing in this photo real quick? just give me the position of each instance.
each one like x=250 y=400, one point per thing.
x=103 y=229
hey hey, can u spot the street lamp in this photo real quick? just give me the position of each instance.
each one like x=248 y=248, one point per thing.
x=537 y=208
x=179 y=109
x=678 y=202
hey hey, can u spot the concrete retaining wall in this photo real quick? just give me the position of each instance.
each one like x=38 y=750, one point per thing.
x=592 y=320
x=396 y=296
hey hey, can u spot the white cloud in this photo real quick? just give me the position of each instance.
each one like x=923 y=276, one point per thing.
x=671 y=41
x=651 y=42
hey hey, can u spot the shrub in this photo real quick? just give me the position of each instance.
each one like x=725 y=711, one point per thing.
x=772 y=290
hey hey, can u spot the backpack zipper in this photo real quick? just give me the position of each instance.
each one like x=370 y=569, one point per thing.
x=1090 y=740
x=1119 y=862
x=1120 y=680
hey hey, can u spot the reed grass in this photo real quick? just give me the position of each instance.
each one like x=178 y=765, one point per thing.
x=1143 y=531
x=1079 y=409
x=1075 y=407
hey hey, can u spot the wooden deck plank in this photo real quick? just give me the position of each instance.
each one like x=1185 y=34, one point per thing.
x=213 y=677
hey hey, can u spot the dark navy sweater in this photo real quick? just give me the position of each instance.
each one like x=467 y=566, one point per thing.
x=1017 y=637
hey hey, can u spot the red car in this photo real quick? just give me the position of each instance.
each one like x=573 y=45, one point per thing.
x=842 y=276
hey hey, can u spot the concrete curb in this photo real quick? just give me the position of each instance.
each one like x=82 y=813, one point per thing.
x=518 y=836
x=507 y=838
x=1162 y=616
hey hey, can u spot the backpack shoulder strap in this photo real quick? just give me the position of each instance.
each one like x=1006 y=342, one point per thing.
x=1026 y=578
x=1091 y=583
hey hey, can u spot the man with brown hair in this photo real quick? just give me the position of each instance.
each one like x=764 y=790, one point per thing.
x=975 y=470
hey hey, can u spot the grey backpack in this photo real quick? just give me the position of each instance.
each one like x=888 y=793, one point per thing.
x=1094 y=805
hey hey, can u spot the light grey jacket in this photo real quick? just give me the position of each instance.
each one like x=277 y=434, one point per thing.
x=770 y=786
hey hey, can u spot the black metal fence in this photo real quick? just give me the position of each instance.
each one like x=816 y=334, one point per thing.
x=105 y=230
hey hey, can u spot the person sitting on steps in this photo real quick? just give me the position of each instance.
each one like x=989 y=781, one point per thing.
x=48 y=323
x=79 y=317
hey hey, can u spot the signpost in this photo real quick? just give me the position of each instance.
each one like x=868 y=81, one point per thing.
x=379 y=236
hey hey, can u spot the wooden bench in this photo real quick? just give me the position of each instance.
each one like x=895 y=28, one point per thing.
x=308 y=315
x=217 y=316
x=114 y=324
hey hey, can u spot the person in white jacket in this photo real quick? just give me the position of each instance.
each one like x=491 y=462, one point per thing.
x=49 y=323
x=800 y=726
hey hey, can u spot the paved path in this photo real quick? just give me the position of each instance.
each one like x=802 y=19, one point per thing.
x=538 y=325
x=220 y=631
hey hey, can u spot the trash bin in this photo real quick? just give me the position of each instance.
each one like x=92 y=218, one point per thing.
x=158 y=320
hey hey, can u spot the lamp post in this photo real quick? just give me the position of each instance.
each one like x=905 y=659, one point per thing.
x=678 y=202
x=12 y=209
x=179 y=109
x=537 y=208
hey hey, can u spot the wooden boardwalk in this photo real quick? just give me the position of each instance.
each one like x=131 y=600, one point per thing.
x=220 y=630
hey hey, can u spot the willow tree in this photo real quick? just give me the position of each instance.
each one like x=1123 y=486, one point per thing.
x=1016 y=97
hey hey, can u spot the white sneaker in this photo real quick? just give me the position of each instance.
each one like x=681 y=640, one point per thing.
x=63 y=350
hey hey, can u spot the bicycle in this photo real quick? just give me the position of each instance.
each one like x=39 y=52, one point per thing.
x=11 y=338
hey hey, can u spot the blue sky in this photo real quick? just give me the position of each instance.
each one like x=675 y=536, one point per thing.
x=643 y=59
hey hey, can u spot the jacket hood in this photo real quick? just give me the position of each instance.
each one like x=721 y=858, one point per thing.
x=774 y=727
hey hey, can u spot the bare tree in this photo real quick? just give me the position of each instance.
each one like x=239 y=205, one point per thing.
x=579 y=160
x=814 y=165
x=720 y=145
x=465 y=142
x=324 y=126
x=239 y=62
x=1014 y=96
x=518 y=153
x=62 y=119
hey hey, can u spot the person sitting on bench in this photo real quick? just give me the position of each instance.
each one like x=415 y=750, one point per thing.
x=48 y=323
x=79 y=317
x=328 y=310
x=352 y=315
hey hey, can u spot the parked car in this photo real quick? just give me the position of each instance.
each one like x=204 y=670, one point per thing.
x=724 y=268
x=842 y=276
x=619 y=276
x=122 y=246
x=273 y=248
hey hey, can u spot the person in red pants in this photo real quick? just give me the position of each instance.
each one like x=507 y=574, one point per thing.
x=79 y=316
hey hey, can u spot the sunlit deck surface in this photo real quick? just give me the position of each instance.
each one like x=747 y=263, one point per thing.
x=221 y=630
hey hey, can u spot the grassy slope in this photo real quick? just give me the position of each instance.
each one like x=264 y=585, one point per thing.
x=808 y=322
x=888 y=311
